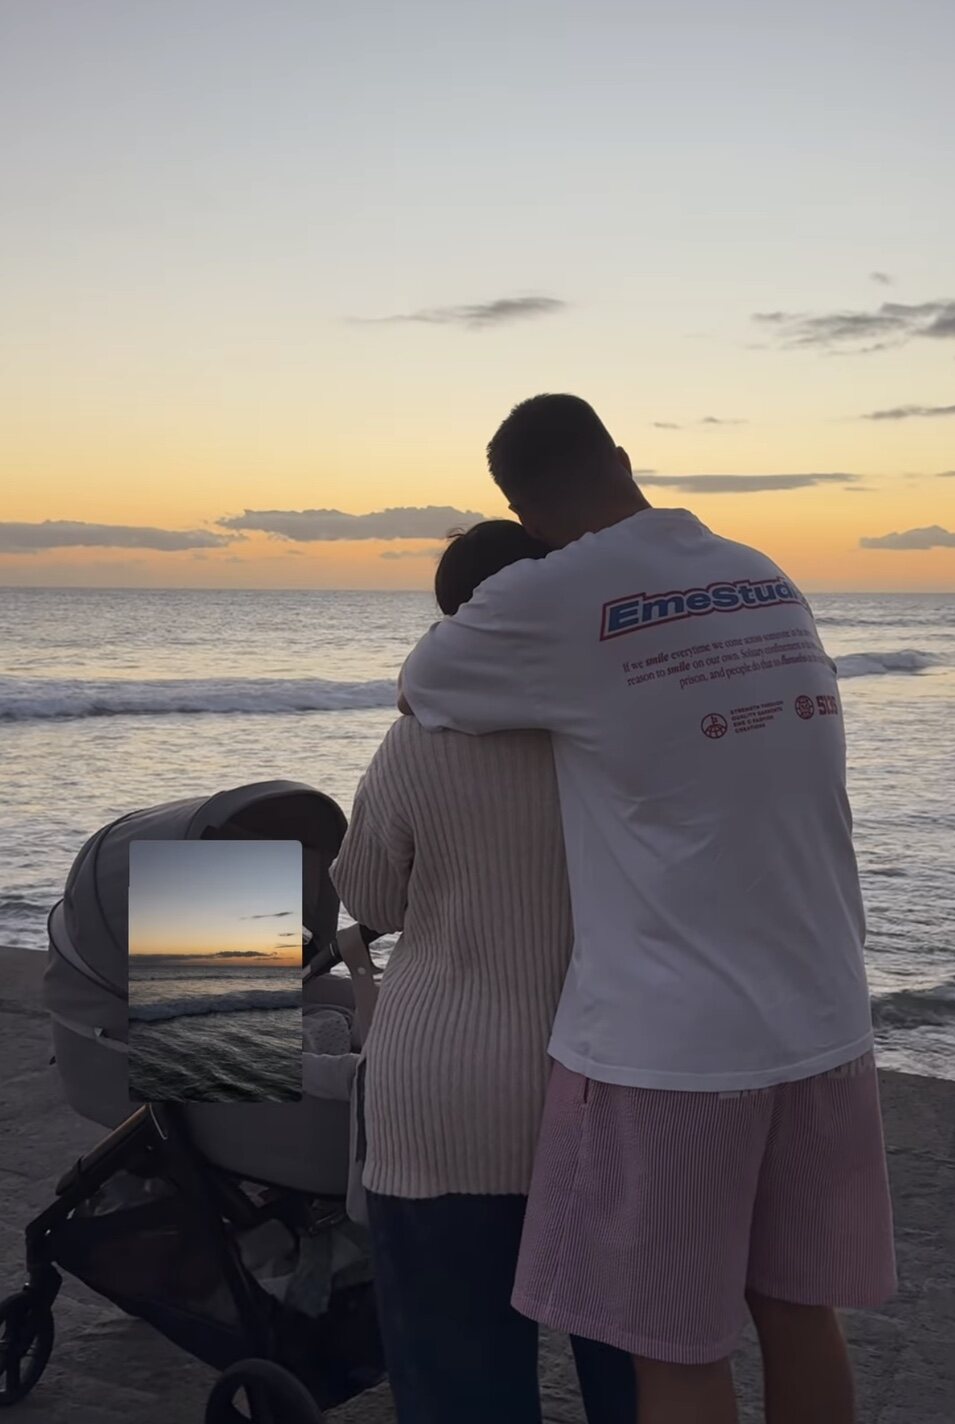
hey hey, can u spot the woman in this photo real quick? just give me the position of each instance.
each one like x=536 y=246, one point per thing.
x=456 y=841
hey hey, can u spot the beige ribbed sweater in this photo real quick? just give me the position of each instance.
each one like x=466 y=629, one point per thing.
x=457 y=841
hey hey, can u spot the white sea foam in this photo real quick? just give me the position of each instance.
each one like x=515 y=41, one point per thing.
x=32 y=698
x=875 y=664
x=910 y=1007
x=25 y=699
x=237 y=1002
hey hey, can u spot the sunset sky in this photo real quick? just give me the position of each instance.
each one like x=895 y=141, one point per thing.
x=238 y=903
x=266 y=261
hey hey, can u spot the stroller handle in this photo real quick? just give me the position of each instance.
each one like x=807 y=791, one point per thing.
x=329 y=954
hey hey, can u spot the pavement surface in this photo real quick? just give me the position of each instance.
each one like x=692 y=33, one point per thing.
x=107 y=1367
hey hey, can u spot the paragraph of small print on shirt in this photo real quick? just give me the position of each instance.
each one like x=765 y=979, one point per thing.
x=726 y=661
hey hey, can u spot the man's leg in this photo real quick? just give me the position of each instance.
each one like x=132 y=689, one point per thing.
x=688 y=1394
x=805 y=1363
x=821 y=1238
x=608 y=1382
x=456 y=1351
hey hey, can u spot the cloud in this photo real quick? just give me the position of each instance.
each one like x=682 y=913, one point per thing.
x=883 y=279
x=910 y=412
x=74 y=533
x=709 y=420
x=945 y=475
x=745 y=484
x=432 y=552
x=243 y=954
x=312 y=525
x=477 y=315
x=275 y=915
x=934 y=537
x=891 y=324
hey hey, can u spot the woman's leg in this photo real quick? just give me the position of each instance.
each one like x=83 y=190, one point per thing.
x=608 y=1382
x=457 y=1352
x=687 y=1394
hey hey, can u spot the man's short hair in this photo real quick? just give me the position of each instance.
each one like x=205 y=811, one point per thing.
x=550 y=445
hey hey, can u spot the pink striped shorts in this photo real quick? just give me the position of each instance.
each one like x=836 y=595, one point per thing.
x=653 y=1213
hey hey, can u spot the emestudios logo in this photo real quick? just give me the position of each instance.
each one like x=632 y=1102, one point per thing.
x=651 y=610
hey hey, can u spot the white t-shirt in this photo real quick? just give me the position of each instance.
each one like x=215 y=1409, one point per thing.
x=700 y=755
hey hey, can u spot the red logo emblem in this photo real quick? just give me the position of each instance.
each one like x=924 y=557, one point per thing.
x=714 y=726
x=804 y=708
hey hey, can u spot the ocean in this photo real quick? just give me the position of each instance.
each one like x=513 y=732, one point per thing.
x=204 y=1033
x=111 y=700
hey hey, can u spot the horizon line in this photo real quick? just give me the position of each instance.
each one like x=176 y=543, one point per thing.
x=253 y=588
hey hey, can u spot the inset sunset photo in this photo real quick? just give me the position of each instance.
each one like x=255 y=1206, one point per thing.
x=215 y=971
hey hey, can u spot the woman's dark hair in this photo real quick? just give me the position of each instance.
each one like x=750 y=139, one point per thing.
x=473 y=555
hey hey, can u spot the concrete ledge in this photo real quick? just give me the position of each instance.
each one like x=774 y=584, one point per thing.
x=106 y=1368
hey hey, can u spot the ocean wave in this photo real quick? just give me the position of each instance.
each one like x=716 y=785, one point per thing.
x=24 y=699
x=913 y=616
x=907 y=1008
x=875 y=664
x=14 y=904
x=239 y=1002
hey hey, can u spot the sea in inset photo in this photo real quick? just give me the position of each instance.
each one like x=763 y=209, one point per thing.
x=215 y=971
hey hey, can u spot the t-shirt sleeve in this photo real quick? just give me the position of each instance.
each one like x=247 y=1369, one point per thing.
x=487 y=668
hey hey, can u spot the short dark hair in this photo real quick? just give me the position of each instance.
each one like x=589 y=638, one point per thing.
x=550 y=444
x=475 y=554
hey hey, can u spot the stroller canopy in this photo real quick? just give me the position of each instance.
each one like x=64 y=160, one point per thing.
x=87 y=975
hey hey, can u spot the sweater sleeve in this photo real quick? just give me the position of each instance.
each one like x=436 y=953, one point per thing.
x=374 y=864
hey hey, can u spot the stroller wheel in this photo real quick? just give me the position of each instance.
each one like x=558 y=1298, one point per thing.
x=26 y=1342
x=272 y=1396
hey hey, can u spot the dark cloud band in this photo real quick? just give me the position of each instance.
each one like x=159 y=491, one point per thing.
x=911 y=412
x=314 y=525
x=744 y=484
x=18 y=538
x=476 y=315
x=891 y=324
x=933 y=537
x=707 y=420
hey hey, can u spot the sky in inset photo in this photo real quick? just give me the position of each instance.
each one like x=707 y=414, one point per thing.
x=224 y=903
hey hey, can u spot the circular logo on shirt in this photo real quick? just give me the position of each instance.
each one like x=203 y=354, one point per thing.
x=804 y=708
x=714 y=726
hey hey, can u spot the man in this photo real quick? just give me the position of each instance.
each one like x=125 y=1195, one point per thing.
x=713 y=1136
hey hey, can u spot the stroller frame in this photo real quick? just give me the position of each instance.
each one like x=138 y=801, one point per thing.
x=193 y=1283
x=158 y=1131
x=151 y=1125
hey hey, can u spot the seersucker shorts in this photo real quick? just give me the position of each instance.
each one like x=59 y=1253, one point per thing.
x=653 y=1213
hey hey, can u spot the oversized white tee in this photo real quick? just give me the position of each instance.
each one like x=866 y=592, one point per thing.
x=700 y=752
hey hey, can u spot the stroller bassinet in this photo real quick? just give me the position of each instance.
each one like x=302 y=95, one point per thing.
x=207 y=1179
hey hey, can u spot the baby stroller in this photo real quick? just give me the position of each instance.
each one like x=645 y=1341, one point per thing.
x=223 y=1225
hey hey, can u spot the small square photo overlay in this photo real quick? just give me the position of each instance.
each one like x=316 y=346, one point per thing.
x=215 y=971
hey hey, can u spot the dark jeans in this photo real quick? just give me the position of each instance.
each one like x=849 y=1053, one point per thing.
x=457 y=1352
